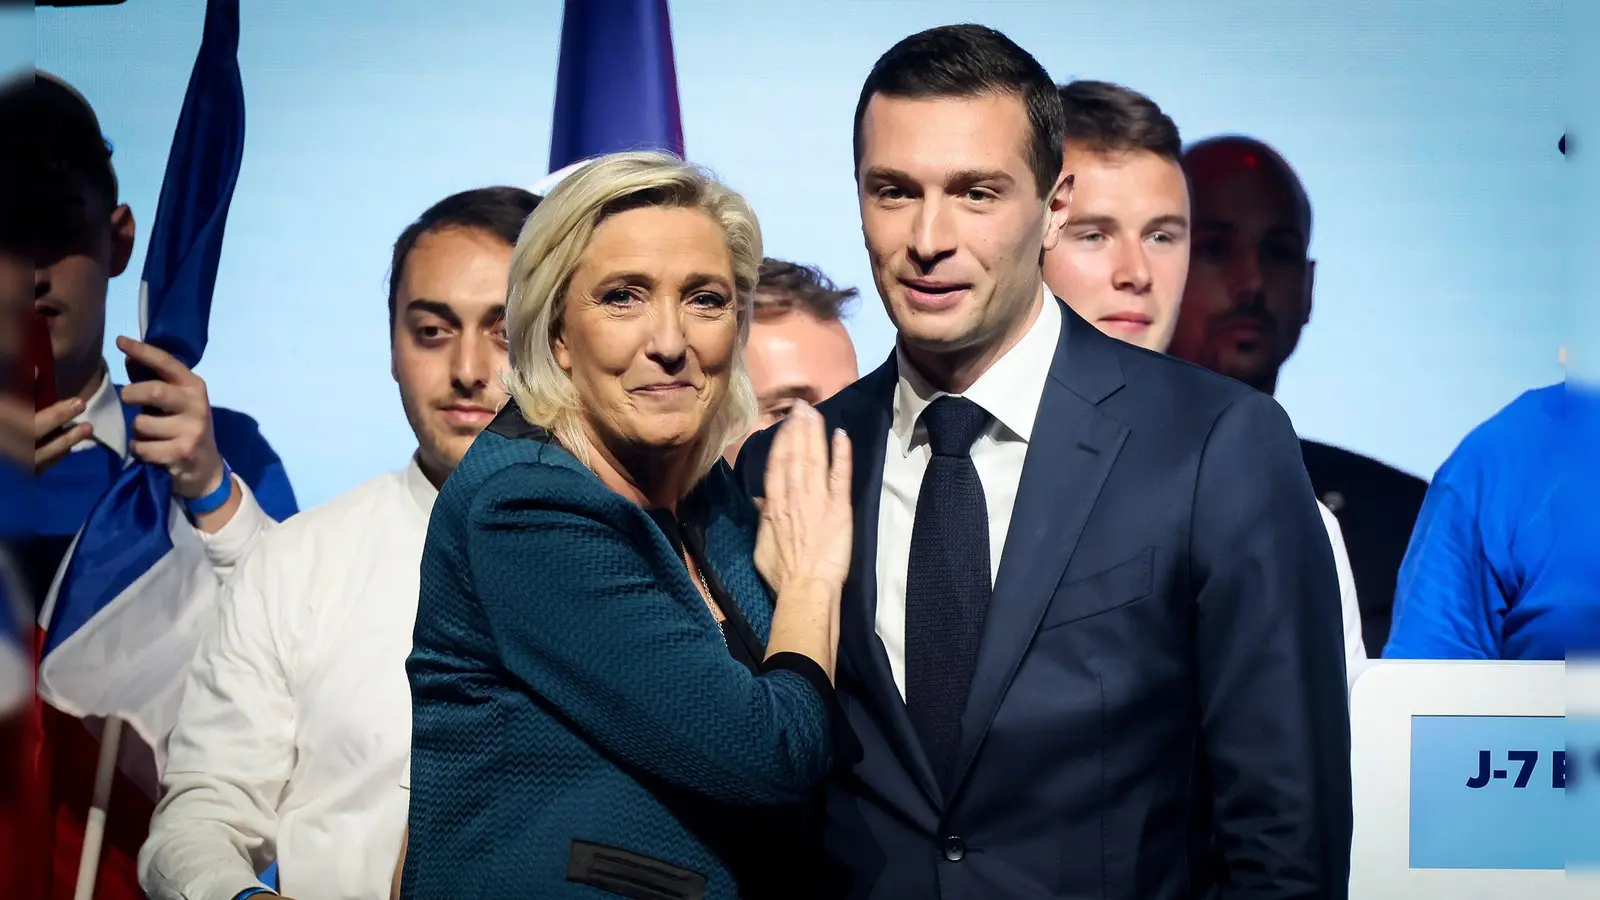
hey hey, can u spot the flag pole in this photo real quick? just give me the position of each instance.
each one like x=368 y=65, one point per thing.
x=94 y=831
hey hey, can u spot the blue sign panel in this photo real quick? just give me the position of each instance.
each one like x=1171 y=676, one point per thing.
x=1488 y=792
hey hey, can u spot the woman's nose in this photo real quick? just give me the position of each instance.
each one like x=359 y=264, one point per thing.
x=668 y=343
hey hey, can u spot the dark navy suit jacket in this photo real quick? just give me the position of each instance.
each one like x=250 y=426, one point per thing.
x=1159 y=705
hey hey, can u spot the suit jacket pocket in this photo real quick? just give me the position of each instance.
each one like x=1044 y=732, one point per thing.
x=1125 y=583
x=628 y=874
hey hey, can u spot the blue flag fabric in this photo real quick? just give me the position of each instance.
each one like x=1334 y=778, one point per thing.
x=180 y=267
x=127 y=532
x=616 y=88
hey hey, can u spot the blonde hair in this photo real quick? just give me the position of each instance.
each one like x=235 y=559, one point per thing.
x=548 y=251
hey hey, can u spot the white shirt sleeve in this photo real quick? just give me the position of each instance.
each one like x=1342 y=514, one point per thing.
x=1355 y=649
x=228 y=546
x=231 y=754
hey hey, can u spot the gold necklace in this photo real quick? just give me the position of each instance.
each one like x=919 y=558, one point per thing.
x=698 y=576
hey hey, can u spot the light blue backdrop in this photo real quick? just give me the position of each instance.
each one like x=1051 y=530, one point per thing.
x=1581 y=26
x=1425 y=132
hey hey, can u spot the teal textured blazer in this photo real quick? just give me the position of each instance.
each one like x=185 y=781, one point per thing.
x=580 y=728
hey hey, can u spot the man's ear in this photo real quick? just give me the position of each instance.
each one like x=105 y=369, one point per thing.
x=122 y=235
x=1060 y=207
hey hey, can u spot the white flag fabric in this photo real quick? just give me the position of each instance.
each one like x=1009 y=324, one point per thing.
x=129 y=659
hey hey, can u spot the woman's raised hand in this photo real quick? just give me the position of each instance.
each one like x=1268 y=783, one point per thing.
x=806 y=518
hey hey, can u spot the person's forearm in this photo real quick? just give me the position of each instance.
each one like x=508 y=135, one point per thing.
x=188 y=856
x=229 y=756
x=805 y=621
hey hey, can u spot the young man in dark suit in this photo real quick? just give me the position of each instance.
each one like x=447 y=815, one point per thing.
x=1123 y=256
x=1091 y=641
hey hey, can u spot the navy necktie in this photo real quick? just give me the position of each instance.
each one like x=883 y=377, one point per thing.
x=947 y=583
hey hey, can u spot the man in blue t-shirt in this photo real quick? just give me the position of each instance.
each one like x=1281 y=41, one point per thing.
x=1505 y=559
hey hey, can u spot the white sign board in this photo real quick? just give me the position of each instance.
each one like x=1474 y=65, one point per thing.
x=1459 y=772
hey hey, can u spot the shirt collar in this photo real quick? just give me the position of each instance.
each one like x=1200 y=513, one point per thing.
x=104 y=412
x=1009 y=391
x=420 y=488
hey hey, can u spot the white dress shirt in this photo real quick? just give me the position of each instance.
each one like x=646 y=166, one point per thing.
x=296 y=721
x=104 y=412
x=1355 y=648
x=1010 y=391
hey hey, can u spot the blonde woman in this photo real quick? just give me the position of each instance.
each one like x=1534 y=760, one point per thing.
x=622 y=675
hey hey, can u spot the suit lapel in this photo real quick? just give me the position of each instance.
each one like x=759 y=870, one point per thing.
x=867 y=422
x=1070 y=453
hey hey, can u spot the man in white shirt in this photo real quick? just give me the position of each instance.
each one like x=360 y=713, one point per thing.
x=1089 y=643
x=296 y=721
x=1123 y=258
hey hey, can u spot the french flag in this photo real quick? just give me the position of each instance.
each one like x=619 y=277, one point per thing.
x=105 y=658
x=616 y=85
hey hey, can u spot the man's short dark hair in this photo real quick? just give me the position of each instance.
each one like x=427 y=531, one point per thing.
x=1108 y=118
x=786 y=286
x=499 y=211
x=52 y=149
x=969 y=61
x=66 y=133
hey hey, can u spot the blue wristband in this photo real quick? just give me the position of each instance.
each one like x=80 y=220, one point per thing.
x=251 y=892
x=213 y=501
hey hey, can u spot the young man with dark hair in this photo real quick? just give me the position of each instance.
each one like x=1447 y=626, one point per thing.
x=85 y=238
x=799 y=351
x=1247 y=299
x=228 y=480
x=1090 y=641
x=1122 y=261
x=1124 y=256
x=295 y=729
